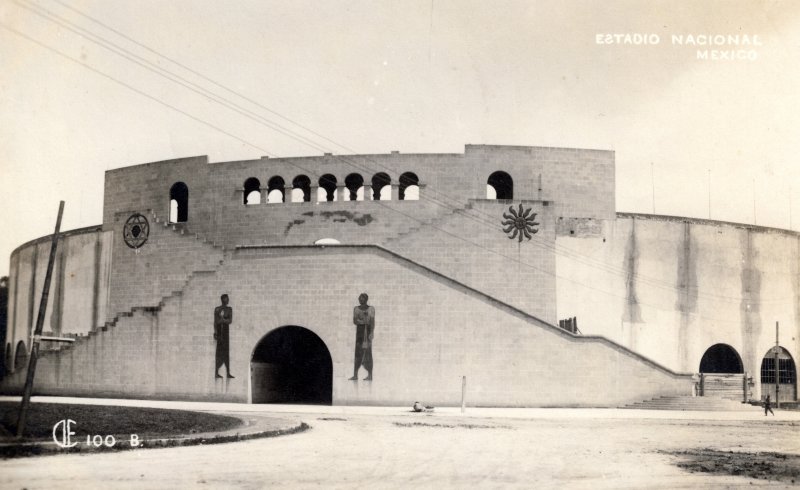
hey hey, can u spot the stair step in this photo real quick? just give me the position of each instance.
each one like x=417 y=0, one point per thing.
x=688 y=403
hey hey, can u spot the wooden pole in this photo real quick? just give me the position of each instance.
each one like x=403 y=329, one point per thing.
x=463 y=392
x=777 y=368
x=26 y=394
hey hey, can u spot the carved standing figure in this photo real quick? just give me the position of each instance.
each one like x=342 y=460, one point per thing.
x=223 y=316
x=364 y=319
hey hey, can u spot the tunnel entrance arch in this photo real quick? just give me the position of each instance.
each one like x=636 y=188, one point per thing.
x=291 y=364
x=722 y=373
x=721 y=359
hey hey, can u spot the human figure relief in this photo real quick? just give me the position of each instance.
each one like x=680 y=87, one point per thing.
x=223 y=316
x=364 y=319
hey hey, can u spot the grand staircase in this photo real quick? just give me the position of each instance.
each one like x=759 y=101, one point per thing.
x=718 y=392
x=693 y=403
x=210 y=266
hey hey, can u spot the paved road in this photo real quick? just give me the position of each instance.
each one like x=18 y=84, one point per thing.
x=369 y=447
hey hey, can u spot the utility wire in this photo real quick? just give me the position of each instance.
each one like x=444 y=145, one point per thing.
x=283 y=130
x=555 y=248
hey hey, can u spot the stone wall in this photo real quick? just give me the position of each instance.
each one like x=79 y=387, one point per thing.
x=79 y=287
x=426 y=339
x=670 y=288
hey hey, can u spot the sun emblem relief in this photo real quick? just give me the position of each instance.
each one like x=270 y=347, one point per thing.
x=520 y=223
x=136 y=231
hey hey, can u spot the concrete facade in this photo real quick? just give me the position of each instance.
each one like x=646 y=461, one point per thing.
x=453 y=295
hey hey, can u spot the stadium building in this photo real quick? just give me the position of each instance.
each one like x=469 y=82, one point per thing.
x=507 y=266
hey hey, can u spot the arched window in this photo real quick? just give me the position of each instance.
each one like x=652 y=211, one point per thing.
x=327 y=188
x=252 y=191
x=784 y=381
x=409 y=187
x=381 y=187
x=355 y=187
x=178 y=203
x=500 y=186
x=301 y=189
x=20 y=356
x=275 y=190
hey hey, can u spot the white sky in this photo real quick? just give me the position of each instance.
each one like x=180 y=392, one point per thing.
x=418 y=76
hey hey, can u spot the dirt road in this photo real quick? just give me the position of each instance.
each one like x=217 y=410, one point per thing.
x=392 y=449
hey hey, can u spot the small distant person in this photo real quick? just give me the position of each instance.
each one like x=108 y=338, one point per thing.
x=223 y=316
x=768 y=407
x=364 y=320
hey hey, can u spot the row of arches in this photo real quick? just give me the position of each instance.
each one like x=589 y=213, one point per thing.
x=355 y=187
x=777 y=367
x=292 y=365
x=499 y=185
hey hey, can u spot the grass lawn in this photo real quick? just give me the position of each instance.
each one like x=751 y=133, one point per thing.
x=107 y=420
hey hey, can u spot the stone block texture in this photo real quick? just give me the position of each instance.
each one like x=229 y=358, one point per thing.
x=454 y=295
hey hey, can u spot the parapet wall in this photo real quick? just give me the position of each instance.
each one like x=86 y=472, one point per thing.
x=578 y=183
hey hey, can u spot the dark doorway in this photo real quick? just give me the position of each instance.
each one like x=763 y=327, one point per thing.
x=20 y=356
x=721 y=358
x=503 y=185
x=328 y=183
x=291 y=365
x=178 y=203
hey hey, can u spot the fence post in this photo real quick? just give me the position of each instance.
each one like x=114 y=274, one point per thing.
x=463 y=392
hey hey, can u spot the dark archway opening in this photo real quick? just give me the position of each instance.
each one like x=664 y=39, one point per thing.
x=721 y=358
x=7 y=359
x=291 y=365
x=20 y=356
x=409 y=187
x=503 y=185
x=276 y=190
x=179 y=203
x=381 y=187
x=252 y=191
x=328 y=183
x=301 y=185
x=354 y=183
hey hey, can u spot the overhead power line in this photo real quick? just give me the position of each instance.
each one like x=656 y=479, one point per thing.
x=126 y=54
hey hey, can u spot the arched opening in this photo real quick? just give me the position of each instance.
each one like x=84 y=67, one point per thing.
x=381 y=187
x=20 y=356
x=784 y=380
x=301 y=189
x=409 y=187
x=275 y=190
x=291 y=365
x=355 y=187
x=327 y=188
x=327 y=241
x=178 y=203
x=500 y=186
x=252 y=191
x=7 y=358
x=721 y=358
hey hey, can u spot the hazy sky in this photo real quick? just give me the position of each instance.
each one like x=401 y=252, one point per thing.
x=422 y=76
